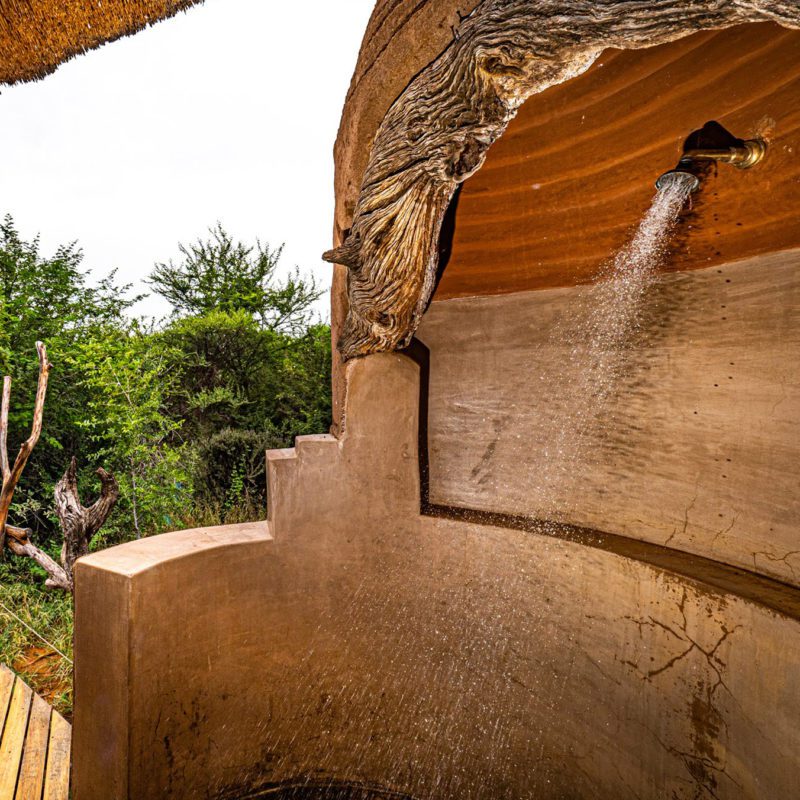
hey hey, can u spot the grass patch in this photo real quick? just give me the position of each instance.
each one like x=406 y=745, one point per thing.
x=35 y=658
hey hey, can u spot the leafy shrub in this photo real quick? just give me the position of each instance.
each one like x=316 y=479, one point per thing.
x=182 y=412
x=231 y=467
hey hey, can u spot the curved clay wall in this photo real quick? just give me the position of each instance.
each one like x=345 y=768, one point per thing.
x=698 y=446
x=353 y=638
x=364 y=635
x=561 y=189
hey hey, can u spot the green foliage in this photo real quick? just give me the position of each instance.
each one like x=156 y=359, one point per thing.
x=249 y=362
x=302 y=402
x=127 y=373
x=222 y=364
x=234 y=378
x=233 y=373
x=222 y=275
x=231 y=468
x=239 y=357
x=48 y=299
x=181 y=413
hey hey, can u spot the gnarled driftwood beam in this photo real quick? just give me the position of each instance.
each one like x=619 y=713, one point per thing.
x=438 y=131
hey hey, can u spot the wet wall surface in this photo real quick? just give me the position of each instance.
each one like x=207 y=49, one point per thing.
x=308 y=790
x=696 y=448
x=359 y=641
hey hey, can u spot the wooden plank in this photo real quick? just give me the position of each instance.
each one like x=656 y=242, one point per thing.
x=13 y=739
x=31 y=775
x=56 y=782
x=6 y=685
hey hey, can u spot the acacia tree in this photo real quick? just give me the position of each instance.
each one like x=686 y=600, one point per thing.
x=253 y=369
x=219 y=274
x=128 y=372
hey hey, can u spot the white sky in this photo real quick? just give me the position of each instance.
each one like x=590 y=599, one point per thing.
x=227 y=112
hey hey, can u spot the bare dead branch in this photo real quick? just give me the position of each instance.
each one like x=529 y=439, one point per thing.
x=12 y=476
x=80 y=524
x=57 y=575
x=19 y=534
x=6 y=469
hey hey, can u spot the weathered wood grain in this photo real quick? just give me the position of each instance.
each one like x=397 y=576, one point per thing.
x=401 y=39
x=31 y=773
x=697 y=449
x=56 y=782
x=34 y=744
x=13 y=472
x=437 y=133
x=13 y=739
x=6 y=685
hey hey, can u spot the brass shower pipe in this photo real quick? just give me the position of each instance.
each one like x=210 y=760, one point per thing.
x=743 y=156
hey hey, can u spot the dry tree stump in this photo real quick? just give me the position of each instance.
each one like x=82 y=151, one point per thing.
x=78 y=523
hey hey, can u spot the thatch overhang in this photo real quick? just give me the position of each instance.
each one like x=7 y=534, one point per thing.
x=36 y=36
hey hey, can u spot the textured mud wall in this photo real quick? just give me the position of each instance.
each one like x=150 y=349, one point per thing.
x=358 y=640
x=699 y=447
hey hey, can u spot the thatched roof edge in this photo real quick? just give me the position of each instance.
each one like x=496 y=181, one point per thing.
x=37 y=36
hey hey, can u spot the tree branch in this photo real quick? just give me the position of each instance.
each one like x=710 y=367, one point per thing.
x=58 y=577
x=78 y=524
x=11 y=477
x=6 y=469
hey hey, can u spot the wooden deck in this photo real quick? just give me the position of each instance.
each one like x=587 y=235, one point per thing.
x=34 y=744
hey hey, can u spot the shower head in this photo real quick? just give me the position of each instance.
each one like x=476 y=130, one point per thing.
x=662 y=180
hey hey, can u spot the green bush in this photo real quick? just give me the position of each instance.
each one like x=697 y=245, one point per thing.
x=231 y=468
x=181 y=412
x=240 y=359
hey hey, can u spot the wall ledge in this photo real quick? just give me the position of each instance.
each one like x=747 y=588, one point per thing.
x=133 y=558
